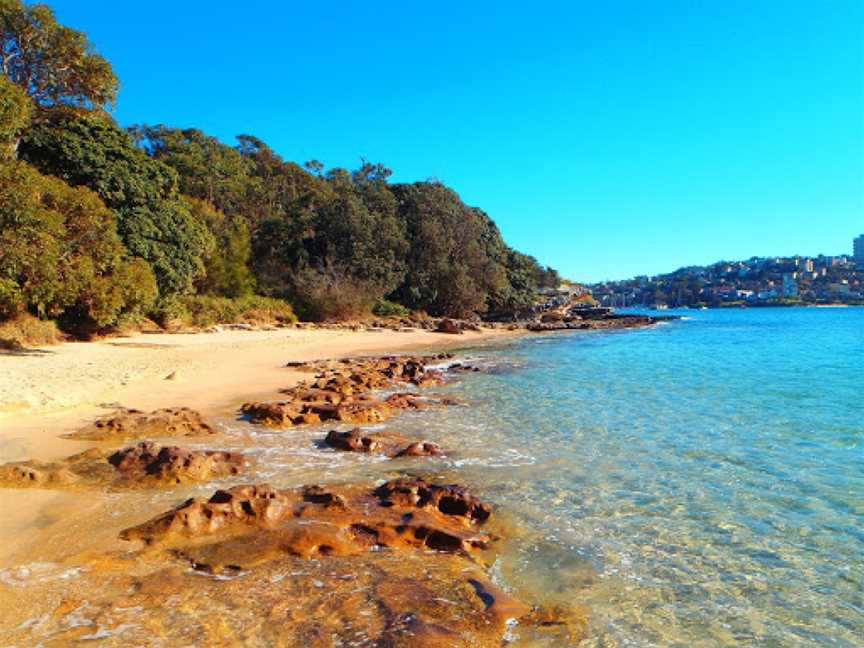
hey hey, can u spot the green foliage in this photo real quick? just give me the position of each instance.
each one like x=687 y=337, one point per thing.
x=387 y=308
x=335 y=245
x=206 y=310
x=227 y=264
x=15 y=109
x=207 y=169
x=60 y=254
x=153 y=221
x=55 y=66
x=452 y=263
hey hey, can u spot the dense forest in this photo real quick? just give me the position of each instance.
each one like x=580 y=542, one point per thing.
x=102 y=226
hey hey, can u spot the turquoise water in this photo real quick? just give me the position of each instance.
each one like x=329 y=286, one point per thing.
x=699 y=483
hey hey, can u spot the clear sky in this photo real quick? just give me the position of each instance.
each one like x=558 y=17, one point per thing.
x=608 y=139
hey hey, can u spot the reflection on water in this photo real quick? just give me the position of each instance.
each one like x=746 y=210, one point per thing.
x=696 y=484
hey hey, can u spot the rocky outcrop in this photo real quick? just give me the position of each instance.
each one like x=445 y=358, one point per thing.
x=342 y=391
x=402 y=514
x=435 y=594
x=135 y=424
x=173 y=464
x=609 y=321
x=386 y=443
x=143 y=465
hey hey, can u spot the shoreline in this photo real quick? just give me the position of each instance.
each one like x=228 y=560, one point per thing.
x=49 y=391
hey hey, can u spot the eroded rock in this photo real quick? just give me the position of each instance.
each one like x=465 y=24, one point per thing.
x=136 y=424
x=345 y=521
x=144 y=465
x=173 y=464
x=386 y=443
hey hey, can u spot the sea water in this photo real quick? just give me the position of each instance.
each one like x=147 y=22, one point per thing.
x=697 y=483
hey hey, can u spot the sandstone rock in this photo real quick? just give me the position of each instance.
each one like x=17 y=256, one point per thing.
x=421 y=449
x=170 y=463
x=132 y=423
x=448 y=326
x=416 y=492
x=347 y=520
x=394 y=445
x=144 y=465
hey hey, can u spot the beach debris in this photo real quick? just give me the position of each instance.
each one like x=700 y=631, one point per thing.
x=127 y=423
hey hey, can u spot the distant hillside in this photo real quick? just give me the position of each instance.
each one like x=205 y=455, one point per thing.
x=759 y=281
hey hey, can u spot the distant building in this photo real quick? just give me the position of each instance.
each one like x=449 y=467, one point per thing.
x=858 y=247
x=790 y=286
x=808 y=265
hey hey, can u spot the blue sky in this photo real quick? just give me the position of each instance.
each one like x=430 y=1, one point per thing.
x=608 y=139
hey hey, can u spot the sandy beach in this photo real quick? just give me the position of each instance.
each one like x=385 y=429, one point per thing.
x=49 y=391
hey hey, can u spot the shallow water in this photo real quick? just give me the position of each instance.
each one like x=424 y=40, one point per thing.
x=698 y=483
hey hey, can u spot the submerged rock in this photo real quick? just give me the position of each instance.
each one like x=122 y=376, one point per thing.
x=136 y=424
x=414 y=549
x=386 y=443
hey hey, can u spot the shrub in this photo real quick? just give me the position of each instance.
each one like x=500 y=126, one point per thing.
x=25 y=330
x=205 y=310
x=387 y=308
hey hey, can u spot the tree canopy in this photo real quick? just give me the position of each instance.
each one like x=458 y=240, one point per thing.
x=55 y=65
x=111 y=210
x=60 y=254
x=153 y=221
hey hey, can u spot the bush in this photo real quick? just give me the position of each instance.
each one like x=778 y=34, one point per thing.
x=204 y=310
x=26 y=330
x=387 y=308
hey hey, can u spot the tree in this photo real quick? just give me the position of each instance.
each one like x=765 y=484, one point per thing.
x=60 y=255
x=15 y=109
x=334 y=249
x=452 y=267
x=55 y=66
x=227 y=265
x=153 y=221
x=207 y=169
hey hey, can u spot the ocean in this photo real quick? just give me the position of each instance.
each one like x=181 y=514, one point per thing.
x=698 y=483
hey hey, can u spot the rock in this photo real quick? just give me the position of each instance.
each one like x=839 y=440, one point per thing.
x=132 y=423
x=144 y=465
x=354 y=441
x=170 y=463
x=346 y=521
x=449 y=500
x=421 y=449
x=171 y=376
x=448 y=326
x=393 y=445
